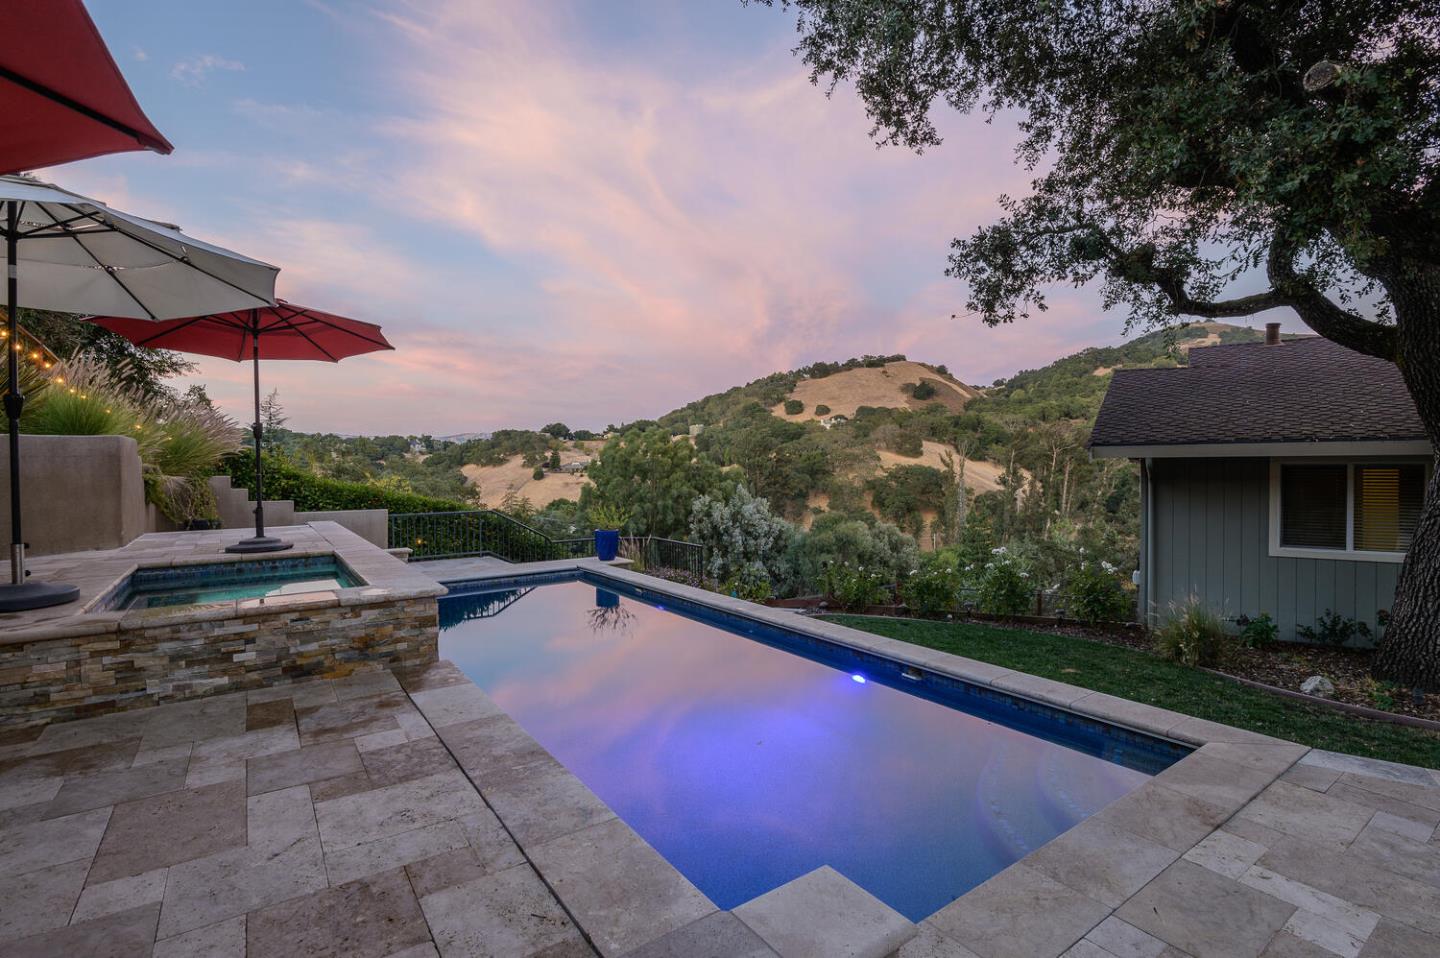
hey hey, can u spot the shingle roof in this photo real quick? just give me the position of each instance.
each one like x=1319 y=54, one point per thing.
x=1302 y=390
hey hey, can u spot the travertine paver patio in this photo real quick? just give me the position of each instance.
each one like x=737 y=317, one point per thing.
x=379 y=816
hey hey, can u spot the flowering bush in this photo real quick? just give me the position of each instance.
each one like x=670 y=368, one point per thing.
x=1003 y=585
x=1093 y=593
x=1192 y=634
x=751 y=583
x=935 y=586
x=855 y=587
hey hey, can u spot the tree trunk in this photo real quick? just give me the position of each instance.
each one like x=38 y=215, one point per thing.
x=1409 y=653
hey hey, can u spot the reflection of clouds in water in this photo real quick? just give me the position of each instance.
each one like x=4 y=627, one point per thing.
x=746 y=766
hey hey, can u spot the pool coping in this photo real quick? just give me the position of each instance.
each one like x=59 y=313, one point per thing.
x=1166 y=816
x=99 y=574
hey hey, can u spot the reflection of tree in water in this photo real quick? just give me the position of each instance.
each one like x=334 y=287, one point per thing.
x=609 y=615
x=480 y=605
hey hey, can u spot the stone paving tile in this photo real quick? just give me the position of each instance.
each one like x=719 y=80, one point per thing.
x=224 y=939
x=310 y=763
x=308 y=693
x=508 y=913
x=71 y=761
x=1205 y=914
x=127 y=934
x=1000 y=918
x=545 y=802
x=122 y=894
x=168 y=753
x=1369 y=767
x=1270 y=755
x=1399 y=854
x=198 y=720
x=40 y=900
x=1123 y=940
x=929 y=943
x=1346 y=918
x=1286 y=945
x=223 y=759
x=718 y=935
x=1391 y=939
x=54 y=841
x=326 y=789
x=435 y=676
x=1101 y=862
x=282 y=860
x=118 y=785
x=402 y=763
x=102 y=730
x=385 y=812
x=1345 y=791
x=22 y=815
x=1211 y=778
x=1163 y=815
x=363 y=685
x=1226 y=854
x=269 y=714
x=1311 y=776
x=1417 y=831
x=171 y=828
x=491 y=750
x=370 y=918
x=1426 y=796
x=460 y=865
x=454 y=704
x=348 y=862
x=1307 y=814
x=620 y=890
x=823 y=914
x=350 y=719
x=20 y=792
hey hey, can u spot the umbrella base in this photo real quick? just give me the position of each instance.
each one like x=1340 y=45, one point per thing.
x=260 y=544
x=36 y=595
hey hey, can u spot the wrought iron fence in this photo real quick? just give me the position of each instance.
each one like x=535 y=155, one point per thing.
x=477 y=532
x=655 y=552
x=485 y=532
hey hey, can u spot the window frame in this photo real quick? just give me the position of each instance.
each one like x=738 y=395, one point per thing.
x=1349 y=553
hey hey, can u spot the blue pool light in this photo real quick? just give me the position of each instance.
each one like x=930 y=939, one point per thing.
x=857 y=677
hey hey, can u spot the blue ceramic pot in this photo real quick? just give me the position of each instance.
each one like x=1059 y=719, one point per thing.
x=607 y=544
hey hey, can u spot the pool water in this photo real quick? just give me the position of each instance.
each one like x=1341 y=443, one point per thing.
x=228 y=581
x=748 y=760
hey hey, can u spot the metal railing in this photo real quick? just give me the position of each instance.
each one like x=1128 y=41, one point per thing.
x=485 y=532
x=657 y=552
x=478 y=532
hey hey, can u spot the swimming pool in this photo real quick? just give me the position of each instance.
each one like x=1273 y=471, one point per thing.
x=172 y=586
x=749 y=755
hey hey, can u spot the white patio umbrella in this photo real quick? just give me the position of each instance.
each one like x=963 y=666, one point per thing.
x=73 y=254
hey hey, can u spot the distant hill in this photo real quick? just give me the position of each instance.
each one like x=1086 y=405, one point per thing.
x=893 y=385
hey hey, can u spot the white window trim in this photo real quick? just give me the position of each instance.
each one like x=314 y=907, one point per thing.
x=1349 y=553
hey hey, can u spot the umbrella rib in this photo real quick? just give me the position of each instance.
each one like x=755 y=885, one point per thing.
x=312 y=342
x=350 y=332
x=108 y=271
x=54 y=95
x=183 y=324
x=179 y=259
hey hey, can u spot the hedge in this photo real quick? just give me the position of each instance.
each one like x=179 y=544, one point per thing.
x=313 y=493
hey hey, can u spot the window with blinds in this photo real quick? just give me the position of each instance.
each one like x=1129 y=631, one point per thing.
x=1313 y=510
x=1387 y=506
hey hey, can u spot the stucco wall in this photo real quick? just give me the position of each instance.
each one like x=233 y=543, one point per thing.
x=372 y=525
x=78 y=492
x=1212 y=540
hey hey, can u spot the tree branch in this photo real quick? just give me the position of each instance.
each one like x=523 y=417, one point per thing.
x=1335 y=323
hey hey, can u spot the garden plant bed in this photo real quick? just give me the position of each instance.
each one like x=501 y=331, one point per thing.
x=1125 y=667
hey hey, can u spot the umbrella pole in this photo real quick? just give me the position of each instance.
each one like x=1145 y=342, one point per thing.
x=260 y=542
x=19 y=594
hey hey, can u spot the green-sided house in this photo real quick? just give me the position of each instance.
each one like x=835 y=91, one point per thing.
x=1282 y=477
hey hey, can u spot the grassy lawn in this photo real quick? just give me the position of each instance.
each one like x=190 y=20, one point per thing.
x=1142 y=677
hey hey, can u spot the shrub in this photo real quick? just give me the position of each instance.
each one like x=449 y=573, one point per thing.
x=935 y=586
x=822 y=410
x=855 y=587
x=1258 y=632
x=539 y=473
x=605 y=516
x=1003 y=586
x=1192 y=634
x=313 y=493
x=1093 y=593
x=837 y=538
x=751 y=583
x=794 y=407
x=740 y=533
x=923 y=390
x=1334 y=629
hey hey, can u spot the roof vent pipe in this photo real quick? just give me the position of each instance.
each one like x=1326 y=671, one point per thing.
x=1272 y=334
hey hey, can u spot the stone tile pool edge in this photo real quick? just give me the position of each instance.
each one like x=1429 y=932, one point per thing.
x=1041 y=905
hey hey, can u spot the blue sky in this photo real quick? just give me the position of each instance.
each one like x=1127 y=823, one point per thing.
x=589 y=211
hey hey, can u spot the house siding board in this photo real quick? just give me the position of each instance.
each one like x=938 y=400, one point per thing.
x=1211 y=540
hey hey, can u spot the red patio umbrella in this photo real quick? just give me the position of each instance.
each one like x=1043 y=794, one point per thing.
x=61 y=95
x=288 y=332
